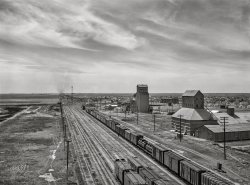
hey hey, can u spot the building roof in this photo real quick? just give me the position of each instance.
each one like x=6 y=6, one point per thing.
x=230 y=119
x=191 y=92
x=142 y=85
x=229 y=128
x=193 y=114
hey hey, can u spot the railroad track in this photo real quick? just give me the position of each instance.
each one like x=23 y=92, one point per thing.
x=79 y=150
x=97 y=169
x=117 y=146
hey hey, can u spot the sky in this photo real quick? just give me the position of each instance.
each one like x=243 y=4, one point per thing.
x=104 y=46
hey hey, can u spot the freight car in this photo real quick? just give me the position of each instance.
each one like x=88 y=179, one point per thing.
x=191 y=172
x=125 y=174
x=158 y=153
x=121 y=166
x=133 y=178
x=184 y=168
x=209 y=178
x=149 y=175
x=136 y=164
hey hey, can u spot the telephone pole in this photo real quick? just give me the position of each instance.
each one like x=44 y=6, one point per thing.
x=137 y=114
x=154 y=121
x=180 y=127
x=72 y=94
x=224 y=120
x=68 y=158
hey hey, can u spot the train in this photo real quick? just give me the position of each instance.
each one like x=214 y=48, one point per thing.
x=182 y=167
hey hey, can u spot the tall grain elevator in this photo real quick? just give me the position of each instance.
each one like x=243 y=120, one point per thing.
x=142 y=98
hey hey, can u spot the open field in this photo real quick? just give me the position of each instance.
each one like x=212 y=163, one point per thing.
x=27 y=99
x=31 y=149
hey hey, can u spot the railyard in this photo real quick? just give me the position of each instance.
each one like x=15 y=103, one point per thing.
x=94 y=148
x=95 y=142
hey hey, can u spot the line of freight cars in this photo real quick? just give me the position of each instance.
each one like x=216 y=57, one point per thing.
x=135 y=172
x=185 y=169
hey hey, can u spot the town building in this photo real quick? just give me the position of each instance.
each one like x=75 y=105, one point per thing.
x=169 y=101
x=142 y=98
x=193 y=114
x=233 y=132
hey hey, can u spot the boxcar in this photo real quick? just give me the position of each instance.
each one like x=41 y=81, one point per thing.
x=133 y=178
x=158 y=152
x=117 y=128
x=122 y=131
x=127 y=134
x=109 y=121
x=136 y=164
x=134 y=137
x=148 y=175
x=209 y=178
x=113 y=125
x=191 y=172
x=121 y=166
x=172 y=161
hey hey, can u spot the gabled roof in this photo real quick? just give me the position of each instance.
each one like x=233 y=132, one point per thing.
x=193 y=114
x=191 y=92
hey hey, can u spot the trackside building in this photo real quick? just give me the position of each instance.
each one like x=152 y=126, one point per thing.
x=192 y=115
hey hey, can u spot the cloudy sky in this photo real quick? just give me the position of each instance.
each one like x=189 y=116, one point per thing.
x=112 y=45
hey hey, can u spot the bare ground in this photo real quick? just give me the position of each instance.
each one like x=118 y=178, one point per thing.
x=31 y=150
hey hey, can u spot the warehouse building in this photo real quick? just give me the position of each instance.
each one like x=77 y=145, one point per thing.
x=192 y=115
x=234 y=132
x=142 y=98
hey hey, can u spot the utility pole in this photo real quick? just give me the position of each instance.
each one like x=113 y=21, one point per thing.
x=154 y=121
x=137 y=115
x=180 y=126
x=72 y=94
x=64 y=135
x=68 y=158
x=224 y=120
